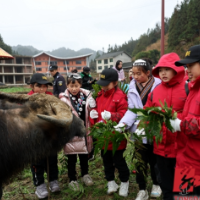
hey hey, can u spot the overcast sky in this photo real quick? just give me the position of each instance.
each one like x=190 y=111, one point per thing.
x=76 y=24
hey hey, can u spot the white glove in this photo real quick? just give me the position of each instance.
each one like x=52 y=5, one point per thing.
x=140 y=131
x=119 y=127
x=94 y=114
x=137 y=122
x=106 y=115
x=92 y=103
x=175 y=123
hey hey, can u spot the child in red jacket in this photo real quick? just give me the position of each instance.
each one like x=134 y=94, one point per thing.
x=112 y=104
x=39 y=84
x=190 y=123
x=172 y=91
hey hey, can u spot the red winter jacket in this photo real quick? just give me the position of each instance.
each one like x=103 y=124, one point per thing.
x=114 y=101
x=174 y=93
x=190 y=126
x=32 y=92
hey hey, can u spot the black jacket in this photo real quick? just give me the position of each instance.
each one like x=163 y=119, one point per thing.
x=85 y=79
x=59 y=84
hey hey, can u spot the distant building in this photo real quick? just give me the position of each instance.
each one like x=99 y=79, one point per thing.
x=43 y=60
x=108 y=60
x=16 y=71
x=127 y=66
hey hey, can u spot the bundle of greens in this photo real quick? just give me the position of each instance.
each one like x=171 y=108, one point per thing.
x=104 y=133
x=96 y=90
x=152 y=119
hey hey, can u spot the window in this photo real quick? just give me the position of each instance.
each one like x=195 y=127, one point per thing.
x=8 y=69
x=99 y=67
x=66 y=62
x=105 y=61
x=111 y=59
x=106 y=67
x=99 y=61
x=38 y=69
x=27 y=61
x=38 y=63
x=78 y=62
x=111 y=66
x=53 y=62
x=8 y=61
x=18 y=70
x=19 y=79
x=18 y=60
x=66 y=68
x=78 y=68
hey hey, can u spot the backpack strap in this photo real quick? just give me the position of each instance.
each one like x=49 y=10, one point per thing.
x=152 y=92
x=187 y=88
x=151 y=96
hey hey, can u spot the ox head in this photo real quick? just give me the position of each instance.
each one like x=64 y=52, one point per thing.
x=48 y=109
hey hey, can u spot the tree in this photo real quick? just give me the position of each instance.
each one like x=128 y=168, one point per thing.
x=174 y=28
x=4 y=46
x=192 y=21
x=109 y=49
x=153 y=55
x=93 y=65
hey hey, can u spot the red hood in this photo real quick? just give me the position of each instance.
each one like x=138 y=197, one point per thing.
x=168 y=60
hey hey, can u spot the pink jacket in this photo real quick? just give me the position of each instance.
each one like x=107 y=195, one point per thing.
x=78 y=145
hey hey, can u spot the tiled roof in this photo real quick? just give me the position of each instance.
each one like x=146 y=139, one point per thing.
x=4 y=55
x=127 y=65
x=62 y=58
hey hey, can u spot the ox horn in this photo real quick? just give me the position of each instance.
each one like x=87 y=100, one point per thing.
x=14 y=97
x=56 y=121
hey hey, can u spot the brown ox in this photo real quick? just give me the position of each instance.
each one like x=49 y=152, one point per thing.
x=31 y=128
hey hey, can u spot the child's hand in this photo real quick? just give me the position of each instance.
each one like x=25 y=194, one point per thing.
x=92 y=103
x=94 y=114
x=106 y=115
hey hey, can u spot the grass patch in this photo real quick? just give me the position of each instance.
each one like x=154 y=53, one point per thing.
x=15 y=89
x=23 y=185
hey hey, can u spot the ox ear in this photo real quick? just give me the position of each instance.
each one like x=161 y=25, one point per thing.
x=14 y=97
x=56 y=120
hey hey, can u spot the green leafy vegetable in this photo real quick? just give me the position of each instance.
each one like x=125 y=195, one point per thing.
x=96 y=90
x=104 y=133
x=152 y=119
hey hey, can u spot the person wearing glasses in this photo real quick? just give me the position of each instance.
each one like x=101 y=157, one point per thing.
x=59 y=84
x=81 y=102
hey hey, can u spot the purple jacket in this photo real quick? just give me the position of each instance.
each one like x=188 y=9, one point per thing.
x=120 y=74
x=134 y=101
